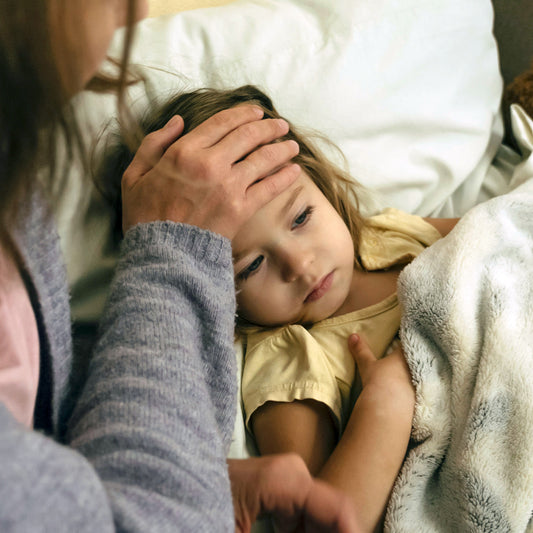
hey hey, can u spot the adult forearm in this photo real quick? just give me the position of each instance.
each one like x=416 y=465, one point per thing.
x=45 y=486
x=156 y=414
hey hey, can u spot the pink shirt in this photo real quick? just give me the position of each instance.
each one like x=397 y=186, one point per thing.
x=19 y=343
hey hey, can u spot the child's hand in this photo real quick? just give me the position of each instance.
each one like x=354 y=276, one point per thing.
x=391 y=370
x=214 y=177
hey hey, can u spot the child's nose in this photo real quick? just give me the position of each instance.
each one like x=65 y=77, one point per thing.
x=296 y=263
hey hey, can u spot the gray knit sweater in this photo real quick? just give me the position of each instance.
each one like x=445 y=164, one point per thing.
x=148 y=434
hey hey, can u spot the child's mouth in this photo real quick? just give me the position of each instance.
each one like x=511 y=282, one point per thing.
x=320 y=289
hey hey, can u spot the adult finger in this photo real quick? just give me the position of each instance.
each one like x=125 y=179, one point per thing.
x=153 y=146
x=328 y=510
x=266 y=160
x=263 y=191
x=296 y=501
x=243 y=140
x=324 y=509
x=210 y=132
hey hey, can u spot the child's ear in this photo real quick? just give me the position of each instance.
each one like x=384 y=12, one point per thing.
x=519 y=91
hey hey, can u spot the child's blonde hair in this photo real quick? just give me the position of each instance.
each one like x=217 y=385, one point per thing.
x=197 y=106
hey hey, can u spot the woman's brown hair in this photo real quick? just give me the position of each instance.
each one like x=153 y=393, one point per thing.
x=34 y=108
x=197 y=106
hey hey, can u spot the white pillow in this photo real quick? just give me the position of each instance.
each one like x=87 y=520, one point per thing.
x=409 y=89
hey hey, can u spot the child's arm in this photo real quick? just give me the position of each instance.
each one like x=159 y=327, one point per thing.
x=369 y=455
x=442 y=225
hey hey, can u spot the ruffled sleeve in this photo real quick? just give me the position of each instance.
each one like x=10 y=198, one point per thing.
x=286 y=365
x=394 y=237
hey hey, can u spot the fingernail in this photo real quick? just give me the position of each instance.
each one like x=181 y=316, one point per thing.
x=354 y=338
x=294 y=144
x=295 y=167
x=258 y=111
x=283 y=124
x=172 y=121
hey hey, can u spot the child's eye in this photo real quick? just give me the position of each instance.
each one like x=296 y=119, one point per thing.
x=303 y=217
x=251 y=268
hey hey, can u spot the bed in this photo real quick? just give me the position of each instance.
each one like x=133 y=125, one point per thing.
x=410 y=91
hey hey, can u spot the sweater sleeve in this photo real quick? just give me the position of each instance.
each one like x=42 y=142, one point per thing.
x=156 y=414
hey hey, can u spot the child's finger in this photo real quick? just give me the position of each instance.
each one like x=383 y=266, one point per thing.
x=360 y=351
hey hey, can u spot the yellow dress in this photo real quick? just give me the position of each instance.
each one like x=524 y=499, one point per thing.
x=298 y=363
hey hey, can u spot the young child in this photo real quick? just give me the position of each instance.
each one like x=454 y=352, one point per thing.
x=310 y=271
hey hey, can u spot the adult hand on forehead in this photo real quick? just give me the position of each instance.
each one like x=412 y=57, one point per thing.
x=214 y=177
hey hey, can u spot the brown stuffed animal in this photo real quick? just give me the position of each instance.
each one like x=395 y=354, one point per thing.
x=519 y=91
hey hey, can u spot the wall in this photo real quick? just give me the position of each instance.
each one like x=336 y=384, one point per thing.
x=514 y=31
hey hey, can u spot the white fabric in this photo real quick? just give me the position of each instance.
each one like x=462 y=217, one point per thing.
x=409 y=89
x=467 y=332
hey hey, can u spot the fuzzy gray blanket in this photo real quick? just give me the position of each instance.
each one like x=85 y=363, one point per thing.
x=467 y=332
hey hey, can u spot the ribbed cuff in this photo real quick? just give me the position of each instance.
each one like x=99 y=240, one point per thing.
x=168 y=239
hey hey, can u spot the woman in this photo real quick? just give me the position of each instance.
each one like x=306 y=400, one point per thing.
x=143 y=446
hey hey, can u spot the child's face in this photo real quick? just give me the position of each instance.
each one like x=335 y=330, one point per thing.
x=293 y=260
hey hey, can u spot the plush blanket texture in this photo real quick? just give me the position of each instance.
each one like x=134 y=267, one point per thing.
x=467 y=331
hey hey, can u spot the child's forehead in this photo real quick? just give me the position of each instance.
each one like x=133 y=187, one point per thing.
x=302 y=185
x=282 y=204
x=265 y=221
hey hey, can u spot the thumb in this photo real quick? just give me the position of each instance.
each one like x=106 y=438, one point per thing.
x=152 y=148
x=174 y=126
x=360 y=351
